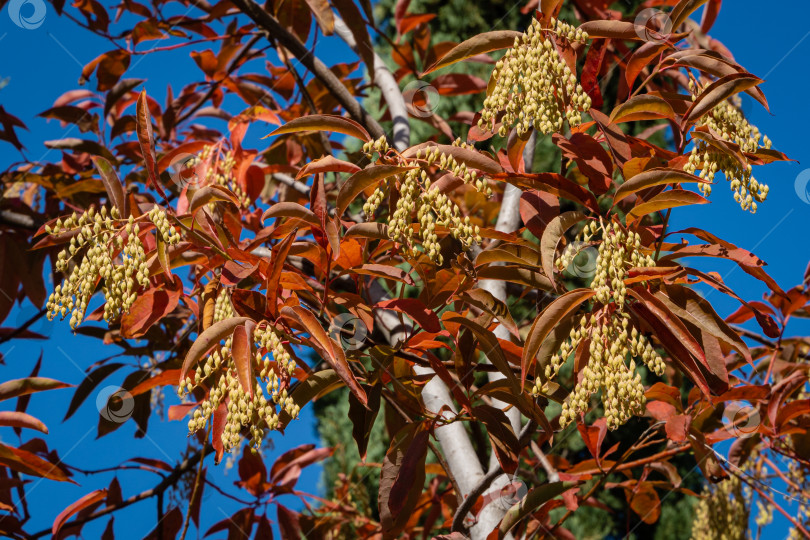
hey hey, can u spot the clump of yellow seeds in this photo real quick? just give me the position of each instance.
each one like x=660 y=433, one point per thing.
x=723 y=513
x=727 y=122
x=533 y=86
x=255 y=412
x=613 y=343
x=432 y=207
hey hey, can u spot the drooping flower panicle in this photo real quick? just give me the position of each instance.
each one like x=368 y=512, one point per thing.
x=533 y=86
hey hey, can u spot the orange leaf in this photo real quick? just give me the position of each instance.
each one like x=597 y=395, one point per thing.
x=89 y=499
x=323 y=122
x=482 y=43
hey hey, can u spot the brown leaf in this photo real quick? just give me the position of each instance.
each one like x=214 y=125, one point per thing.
x=323 y=14
x=327 y=164
x=277 y=259
x=551 y=237
x=482 y=43
x=243 y=351
x=147 y=142
x=207 y=340
x=642 y=107
x=323 y=122
x=21 y=387
x=402 y=477
x=717 y=92
x=326 y=347
x=115 y=190
x=21 y=420
x=668 y=199
x=545 y=323
x=653 y=177
x=361 y=180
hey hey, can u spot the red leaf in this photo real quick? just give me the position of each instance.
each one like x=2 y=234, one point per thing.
x=678 y=427
x=243 y=351
x=590 y=72
x=149 y=308
x=21 y=420
x=84 y=502
x=326 y=347
x=147 y=142
x=416 y=310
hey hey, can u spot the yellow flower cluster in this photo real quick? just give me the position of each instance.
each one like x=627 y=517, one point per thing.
x=220 y=172
x=723 y=513
x=608 y=334
x=619 y=251
x=534 y=87
x=433 y=208
x=109 y=249
x=106 y=251
x=727 y=122
x=219 y=370
x=226 y=178
x=167 y=232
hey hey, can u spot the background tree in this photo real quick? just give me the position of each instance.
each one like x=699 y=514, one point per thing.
x=490 y=299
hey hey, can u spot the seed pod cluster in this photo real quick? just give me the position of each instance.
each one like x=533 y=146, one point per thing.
x=608 y=339
x=168 y=233
x=727 y=122
x=380 y=146
x=619 y=251
x=227 y=178
x=102 y=246
x=723 y=512
x=219 y=371
x=533 y=86
x=432 y=207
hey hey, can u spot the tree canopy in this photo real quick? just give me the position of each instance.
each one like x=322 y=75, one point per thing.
x=489 y=291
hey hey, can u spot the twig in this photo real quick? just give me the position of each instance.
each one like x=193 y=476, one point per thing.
x=312 y=63
x=215 y=84
x=385 y=81
x=484 y=483
x=196 y=481
x=23 y=327
x=159 y=489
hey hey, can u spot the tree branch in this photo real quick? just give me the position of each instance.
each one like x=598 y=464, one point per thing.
x=486 y=481
x=183 y=467
x=332 y=83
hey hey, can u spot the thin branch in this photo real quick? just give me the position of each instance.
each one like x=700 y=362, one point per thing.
x=486 y=481
x=185 y=466
x=753 y=335
x=214 y=85
x=24 y=326
x=332 y=83
x=196 y=481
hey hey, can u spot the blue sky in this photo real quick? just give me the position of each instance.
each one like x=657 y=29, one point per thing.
x=40 y=64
